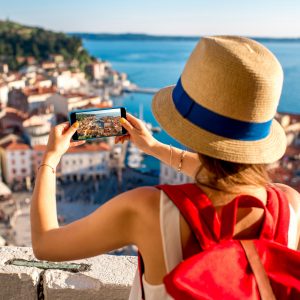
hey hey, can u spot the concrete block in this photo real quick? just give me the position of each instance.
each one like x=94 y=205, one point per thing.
x=110 y=278
x=17 y=282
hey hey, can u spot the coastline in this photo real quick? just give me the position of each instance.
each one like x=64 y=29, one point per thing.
x=142 y=68
x=149 y=37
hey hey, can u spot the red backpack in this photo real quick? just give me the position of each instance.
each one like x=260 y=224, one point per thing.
x=226 y=268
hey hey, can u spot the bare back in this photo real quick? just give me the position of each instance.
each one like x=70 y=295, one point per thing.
x=247 y=226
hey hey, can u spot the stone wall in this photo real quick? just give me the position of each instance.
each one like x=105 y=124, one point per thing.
x=109 y=277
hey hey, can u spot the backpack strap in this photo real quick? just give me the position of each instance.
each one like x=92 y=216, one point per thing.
x=141 y=268
x=197 y=210
x=229 y=216
x=261 y=277
x=278 y=206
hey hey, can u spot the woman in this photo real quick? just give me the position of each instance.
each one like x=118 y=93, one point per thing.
x=222 y=108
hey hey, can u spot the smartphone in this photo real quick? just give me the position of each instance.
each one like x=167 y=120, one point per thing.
x=98 y=123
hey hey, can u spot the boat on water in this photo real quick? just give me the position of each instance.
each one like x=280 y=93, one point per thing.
x=135 y=164
x=134 y=150
x=156 y=129
x=135 y=157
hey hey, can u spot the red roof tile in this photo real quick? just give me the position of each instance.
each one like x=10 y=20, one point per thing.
x=17 y=146
x=38 y=91
x=103 y=104
x=89 y=148
x=39 y=147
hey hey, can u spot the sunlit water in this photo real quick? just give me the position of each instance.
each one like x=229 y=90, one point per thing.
x=156 y=64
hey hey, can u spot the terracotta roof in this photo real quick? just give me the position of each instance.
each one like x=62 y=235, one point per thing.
x=89 y=148
x=39 y=147
x=17 y=146
x=74 y=94
x=103 y=104
x=38 y=91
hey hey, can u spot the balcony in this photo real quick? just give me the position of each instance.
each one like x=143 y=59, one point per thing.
x=107 y=277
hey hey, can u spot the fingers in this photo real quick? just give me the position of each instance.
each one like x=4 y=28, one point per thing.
x=74 y=144
x=62 y=127
x=72 y=129
x=117 y=139
x=137 y=123
x=126 y=125
x=122 y=139
x=125 y=138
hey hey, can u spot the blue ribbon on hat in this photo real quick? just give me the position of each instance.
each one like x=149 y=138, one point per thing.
x=216 y=123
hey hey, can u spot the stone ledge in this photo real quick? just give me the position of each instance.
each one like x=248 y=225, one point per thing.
x=17 y=282
x=110 y=277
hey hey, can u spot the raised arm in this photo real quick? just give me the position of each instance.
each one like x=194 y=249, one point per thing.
x=113 y=225
x=140 y=136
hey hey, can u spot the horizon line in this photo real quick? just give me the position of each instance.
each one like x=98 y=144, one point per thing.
x=150 y=34
x=179 y=36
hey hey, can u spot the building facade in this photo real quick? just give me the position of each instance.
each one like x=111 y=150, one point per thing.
x=3 y=94
x=85 y=162
x=17 y=165
x=169 y=175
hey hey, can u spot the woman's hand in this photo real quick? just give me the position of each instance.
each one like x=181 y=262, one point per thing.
x=59 y=141
x=137 y=133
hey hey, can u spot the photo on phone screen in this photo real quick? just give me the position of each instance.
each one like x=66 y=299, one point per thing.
x=98 y=123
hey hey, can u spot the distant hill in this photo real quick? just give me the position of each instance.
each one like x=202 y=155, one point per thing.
x=141 y=37
x=131 y=36
x=17 y=41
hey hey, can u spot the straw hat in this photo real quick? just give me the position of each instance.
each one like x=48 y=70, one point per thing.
x=225 y=101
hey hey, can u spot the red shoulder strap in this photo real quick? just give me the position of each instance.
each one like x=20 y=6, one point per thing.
x=202 y=217
x=229 y=216
x=197 y=210
x=278 y=206
x=141 y=269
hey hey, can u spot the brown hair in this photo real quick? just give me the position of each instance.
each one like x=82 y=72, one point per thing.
x=223 y=175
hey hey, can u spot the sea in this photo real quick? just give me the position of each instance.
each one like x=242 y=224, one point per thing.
x=155 y=64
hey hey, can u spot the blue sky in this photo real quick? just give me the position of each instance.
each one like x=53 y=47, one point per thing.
x=277 y=18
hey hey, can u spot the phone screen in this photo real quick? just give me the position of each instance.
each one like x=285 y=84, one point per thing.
x=98 y=123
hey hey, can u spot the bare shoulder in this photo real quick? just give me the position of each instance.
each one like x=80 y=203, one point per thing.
x=292 y=195
x=144 y=203
x=144 y=200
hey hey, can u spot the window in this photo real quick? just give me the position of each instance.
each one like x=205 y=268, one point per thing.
x=80 y=161
x=14 y=171
x=74 y=162
x=23 y=171
x=66 y=162
x=13 y=162
x=181 y=177
x=22 y=153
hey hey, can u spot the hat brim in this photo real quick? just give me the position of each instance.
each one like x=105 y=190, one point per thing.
x=264 y=151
